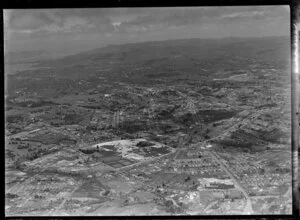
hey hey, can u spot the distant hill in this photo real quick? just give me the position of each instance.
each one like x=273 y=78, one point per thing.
x=155 y=62
x=265 y=48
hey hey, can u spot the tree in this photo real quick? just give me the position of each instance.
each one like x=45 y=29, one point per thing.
x=188 y=179
x=17 y=163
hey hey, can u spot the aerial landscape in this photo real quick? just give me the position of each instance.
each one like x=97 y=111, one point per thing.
x=190 y=126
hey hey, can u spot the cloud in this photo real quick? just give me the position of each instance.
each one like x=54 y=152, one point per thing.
x=109 y=21
x=257 y=13
x=250 y=14
x=160 y=19
x=28 y=21
x=53 y=21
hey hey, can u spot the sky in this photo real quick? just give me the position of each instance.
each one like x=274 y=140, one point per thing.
x=72 y=30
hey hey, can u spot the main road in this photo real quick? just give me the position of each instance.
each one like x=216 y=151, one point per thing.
x=248 y=207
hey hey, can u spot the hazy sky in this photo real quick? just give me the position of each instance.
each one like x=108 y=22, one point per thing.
x=83 y=29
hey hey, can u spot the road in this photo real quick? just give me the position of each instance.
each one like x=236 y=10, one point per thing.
x=173 y=201
x=210 y=205
x=19 y=186
x=144 y=162
x=248 y=208
x=288 y=192
x=65 y=199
